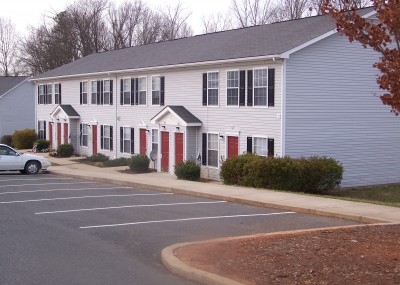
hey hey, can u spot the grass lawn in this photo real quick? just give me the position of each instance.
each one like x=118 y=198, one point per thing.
x=386 y=195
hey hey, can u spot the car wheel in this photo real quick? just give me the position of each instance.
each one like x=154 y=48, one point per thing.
x=32 y=167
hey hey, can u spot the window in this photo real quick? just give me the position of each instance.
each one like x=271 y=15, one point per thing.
x=260 y=87
x=142 y=89
x=126 y=89
x=84 y=93
x=42 y=130
x=57 y=93
x=106 y=92
x=212 y=89
x=212 y=150
x=154 y=141
x=126 y=140
x=94 y=92
x=84 y=133
x=260 y=146
x=106 y=137
x=155 y=87
x=41 y=94
x=49 y=94
x=232 y=92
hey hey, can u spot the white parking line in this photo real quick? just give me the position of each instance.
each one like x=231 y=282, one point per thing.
x=184 y=220
x=86 y=182
x=82 y=197
x=54 y=190
x=130 y=206
x=34 y=179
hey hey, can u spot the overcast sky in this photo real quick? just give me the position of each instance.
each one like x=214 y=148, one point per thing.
x=24 y=13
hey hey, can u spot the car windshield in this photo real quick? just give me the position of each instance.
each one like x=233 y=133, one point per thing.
x=4 y=150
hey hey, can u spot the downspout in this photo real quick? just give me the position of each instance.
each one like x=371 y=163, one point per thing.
x=283 y=109
x=117 y=143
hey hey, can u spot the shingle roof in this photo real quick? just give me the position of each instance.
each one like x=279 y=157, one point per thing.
x=263 y=40
x=183 y=113
x=69 y=111
x=9 y=82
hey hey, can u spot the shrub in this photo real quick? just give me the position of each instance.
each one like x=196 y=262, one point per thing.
x=139 y=163
x=188 y=170
x=65 y=150
x=42 y=144
x=122 y=161
x=7 y=139
x=309 y=175
x=99 y=157
x=24 y=139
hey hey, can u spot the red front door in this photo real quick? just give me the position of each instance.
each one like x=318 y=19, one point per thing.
x=178 y=148
x=142 y=141
x=233 y=146
x=51 y=135
x=94 y=139
x=165 y=151
x=66 y=135
x=58 y=134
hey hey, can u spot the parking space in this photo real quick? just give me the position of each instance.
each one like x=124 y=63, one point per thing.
x=94 y=232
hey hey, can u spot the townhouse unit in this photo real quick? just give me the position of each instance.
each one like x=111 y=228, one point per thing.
x=17 y=105
x=293 y=88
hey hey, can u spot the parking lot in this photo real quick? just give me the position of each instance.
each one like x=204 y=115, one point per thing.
x=58 y=230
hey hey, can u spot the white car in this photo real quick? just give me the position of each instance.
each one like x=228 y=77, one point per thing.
x=12 y=160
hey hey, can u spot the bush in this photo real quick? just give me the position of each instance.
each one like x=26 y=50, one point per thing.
x=188 y=170
x=139 y=163
x=65 y=150
x=309 y=175
x=99 y=157
x=7 y=139
x=122 y=161
x=24 y=139
x=42 y=144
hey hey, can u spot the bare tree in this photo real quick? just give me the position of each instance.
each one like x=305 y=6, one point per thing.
x=216 y=23
x=150 y=26
x=251 y=12
x=315 y=5
x=291 y=10
x=8 y=48
x=175 y=23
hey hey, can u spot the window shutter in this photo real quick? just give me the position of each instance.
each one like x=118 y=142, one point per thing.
x=111 y=92
x=80 y=93
x=271 y=144
x=111 y=138
x=44 y=123
x=133 y=91
x=121 y=96
x=121 y=139
x=137 y=91
x=249 y=144
x=204 y=150
x=38 y=88
x=101 y=136
x=162 y=90
x=80 y=134
x=242 y=88
x=101 y=92
x=132 y=140
x=204 y=89
x=59 y=94
x=250 y=88
x=38 y=128
x=45 y=94
x=271 y=87
x=98 y=92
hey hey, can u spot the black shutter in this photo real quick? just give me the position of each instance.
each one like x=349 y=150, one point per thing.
x=38 y=91
x=38 y=128
x=59 y=94
x=45 y=94
x=249 y=144
x=271 y=144
x=111 y=138
x=80 y=134
x=44 y=122
x=111 y=92
x=121 y=96
x=101 y=136
x=121 y=139
x=204 y=89
x=137 y=91
x=98 y=92
x=204 y=150
x=242 y=89
x=271 y=87
x=101 y=92
x=80 y=93
x=132 y=140
x=132 y=91
x=162 y=90
x=250 y=88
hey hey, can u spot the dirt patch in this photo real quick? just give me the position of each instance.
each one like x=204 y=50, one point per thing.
x=356 y=255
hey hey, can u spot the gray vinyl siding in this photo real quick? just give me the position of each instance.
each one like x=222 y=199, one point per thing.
x=17 y=109
x=191 y=144
x=333 y=109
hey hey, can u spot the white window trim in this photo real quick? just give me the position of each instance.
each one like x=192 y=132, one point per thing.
x=59 y=93
x=218 y=150
x=87 y=92
x=130 y=91
x=87 y=134
x=104 y=131
x=123 y=139
x=109 y=100
x=151 y=99
x=44 y=94
x=254 y=106
x=158 y=140
x=260 y=137
x=146 y=88
x=219 y=89
x=238 y=88
x=91 y=92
